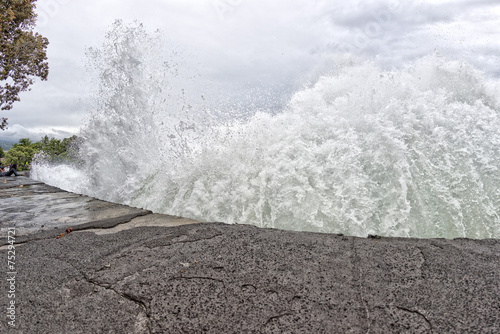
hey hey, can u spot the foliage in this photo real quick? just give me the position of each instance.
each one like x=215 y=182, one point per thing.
x=2 y=153
x=49 y=149
x=22 y=51
x=54 y=150
x=21 y=153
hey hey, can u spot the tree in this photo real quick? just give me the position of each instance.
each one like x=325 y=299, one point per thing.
x=21 y=153
x=22 y=52
x=57 y=151
x=2 y=153
x=48 y=150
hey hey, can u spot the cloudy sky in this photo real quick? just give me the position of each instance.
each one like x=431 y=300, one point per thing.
x=251 y=43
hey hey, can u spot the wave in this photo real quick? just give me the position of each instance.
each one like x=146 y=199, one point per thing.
x=408 y=152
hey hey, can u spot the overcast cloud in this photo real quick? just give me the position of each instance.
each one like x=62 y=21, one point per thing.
x=250 y=43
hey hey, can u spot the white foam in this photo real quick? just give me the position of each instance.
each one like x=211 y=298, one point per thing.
x=409 y=152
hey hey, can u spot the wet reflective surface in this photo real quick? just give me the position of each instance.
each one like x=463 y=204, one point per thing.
x=32 y=206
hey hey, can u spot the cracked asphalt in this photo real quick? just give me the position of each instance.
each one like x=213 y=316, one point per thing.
x=218 y=278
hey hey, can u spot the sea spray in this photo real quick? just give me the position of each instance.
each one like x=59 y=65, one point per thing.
x=411 y=152
x=140 y=117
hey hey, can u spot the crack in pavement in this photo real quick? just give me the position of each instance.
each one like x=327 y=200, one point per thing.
x=140 y=303
x=93 y=225
x=424 y=260
x=182 y=241
x=361 y=289
x=127 y=296
x=198 y=277
x=423 y=255
x=418 y=313
x=276 y=317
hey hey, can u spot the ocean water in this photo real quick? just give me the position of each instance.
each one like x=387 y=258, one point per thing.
x=408 y=152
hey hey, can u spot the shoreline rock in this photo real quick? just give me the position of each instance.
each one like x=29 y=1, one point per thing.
x=219 y=278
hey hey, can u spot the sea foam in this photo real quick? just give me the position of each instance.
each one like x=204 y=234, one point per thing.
x=409 y=152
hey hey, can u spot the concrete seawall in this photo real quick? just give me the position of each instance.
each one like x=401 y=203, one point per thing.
x=127 y=270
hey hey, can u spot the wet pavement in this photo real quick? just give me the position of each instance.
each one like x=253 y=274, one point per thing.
x=36 y=208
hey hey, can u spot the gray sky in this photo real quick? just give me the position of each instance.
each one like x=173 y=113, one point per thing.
x=251 y=43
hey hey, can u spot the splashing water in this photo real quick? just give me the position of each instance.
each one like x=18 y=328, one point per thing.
x=412 y=152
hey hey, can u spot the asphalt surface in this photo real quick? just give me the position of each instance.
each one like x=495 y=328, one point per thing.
x=115 y=274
